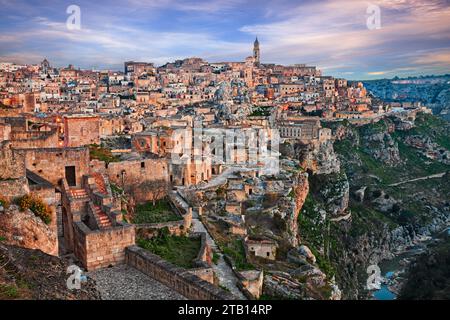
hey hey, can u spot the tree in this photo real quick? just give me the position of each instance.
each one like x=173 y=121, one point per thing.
x=154 y=190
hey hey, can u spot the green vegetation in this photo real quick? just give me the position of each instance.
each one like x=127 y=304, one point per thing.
x=8 y=292
x=215 y=257
x=102 y=154
x=4 y=202
x=362 y=165
x=433 y=127
x=429 y=277
x=365 y=219
x=179 y=250
x=224 y=288
x=149 y=213
x=261 y=112
x=235 y=251
x=315 y=233
x=2 y=239
x=37 y=206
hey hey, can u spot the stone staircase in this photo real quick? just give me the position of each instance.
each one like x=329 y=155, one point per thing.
x=79 y=194
x=92 y=201
x=102 y=218
x=100 y=183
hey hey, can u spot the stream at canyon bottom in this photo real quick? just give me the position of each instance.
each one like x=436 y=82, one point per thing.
x=389 y=268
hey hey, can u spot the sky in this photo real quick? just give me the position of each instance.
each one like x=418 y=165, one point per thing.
x=413 y=37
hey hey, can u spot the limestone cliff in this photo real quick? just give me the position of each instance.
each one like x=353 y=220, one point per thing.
x=288 y=208
x=388 y=210
x=24 y=229
x=316 y=157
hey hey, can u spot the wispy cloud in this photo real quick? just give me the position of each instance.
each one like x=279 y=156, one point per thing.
x=414 y=35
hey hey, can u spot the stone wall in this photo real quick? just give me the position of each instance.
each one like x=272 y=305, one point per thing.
x=206 y=274
x=12 y=163
x=138 y=172
x=179 y=279
x=102 y=248
x=50 y=163
x=132 y=173
x=34 y=139
x=150 y=230
x=81 y=130
x=14 y=188
x=204 y=257
x=251 y=282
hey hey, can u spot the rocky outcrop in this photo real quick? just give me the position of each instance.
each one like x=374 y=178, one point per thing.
x=382 y=147
x=327 y=160
x=333 y=190
x=428 y=148
x=32 y=274
x=380 y=242
x=317 y=157
x=384 y=203
x=300 y=189
x=24 y=229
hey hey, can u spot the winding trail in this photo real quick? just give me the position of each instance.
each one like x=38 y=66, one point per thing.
x=437 y=175
x=226 y=276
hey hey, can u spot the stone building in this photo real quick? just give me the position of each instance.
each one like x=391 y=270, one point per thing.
x=55 y=164
x=136 y=175
x=262 y=248
x=92 y=224
x=81 y=130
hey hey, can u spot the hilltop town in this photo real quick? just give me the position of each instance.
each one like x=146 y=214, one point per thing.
x=205 y=180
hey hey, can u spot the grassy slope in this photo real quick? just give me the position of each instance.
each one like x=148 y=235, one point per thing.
x=180 y=251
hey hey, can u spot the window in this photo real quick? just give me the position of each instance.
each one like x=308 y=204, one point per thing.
x=142 y=164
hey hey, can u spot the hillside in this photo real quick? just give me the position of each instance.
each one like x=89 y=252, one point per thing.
x=383 y=208
x=32 y=274
x=429 y=276
x=432 y=91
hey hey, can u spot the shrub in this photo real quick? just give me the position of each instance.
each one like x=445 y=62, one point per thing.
x=4 y=202
x=37 y=206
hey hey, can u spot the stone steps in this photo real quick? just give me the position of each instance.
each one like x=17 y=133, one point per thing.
x=102 y=218
x=78 y=193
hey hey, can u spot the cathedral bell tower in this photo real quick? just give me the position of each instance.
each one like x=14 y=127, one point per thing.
x=256 y=53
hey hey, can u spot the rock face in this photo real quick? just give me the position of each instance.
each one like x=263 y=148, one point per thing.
x=300 y=188
x=26 y=230
x=382 y=147
x=32 y=274
x=306 y=252
x=327 y=160
x=317 y=157
x=384 y=203
x=385 y=220
x=428 y=148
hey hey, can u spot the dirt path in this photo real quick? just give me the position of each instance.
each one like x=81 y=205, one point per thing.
x=437 y=175
x=222 y=270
